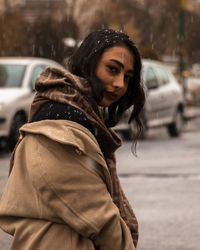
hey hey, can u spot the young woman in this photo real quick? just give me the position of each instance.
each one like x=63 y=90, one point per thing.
x=63 y=191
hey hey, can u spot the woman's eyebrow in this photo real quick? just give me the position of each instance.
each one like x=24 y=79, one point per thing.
x=121 y=65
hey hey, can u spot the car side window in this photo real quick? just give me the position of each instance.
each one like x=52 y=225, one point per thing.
x=151 y=79
x=36 y=71
x=11 y=75
x=164 y=78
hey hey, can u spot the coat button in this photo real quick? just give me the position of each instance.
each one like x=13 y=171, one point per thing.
x=78 y=151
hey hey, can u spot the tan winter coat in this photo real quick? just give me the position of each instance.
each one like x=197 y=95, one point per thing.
x=59 y=195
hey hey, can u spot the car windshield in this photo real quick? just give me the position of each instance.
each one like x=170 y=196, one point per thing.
x=11 y=75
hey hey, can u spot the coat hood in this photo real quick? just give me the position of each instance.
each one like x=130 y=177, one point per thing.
x=66 y=132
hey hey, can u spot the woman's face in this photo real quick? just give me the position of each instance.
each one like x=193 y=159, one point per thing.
x=115 y=69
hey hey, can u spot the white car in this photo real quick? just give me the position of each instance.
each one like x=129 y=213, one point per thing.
x=164 y=102
x=17 y=78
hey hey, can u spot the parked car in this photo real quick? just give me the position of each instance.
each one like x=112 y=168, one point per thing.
x=164 y=102
x=17 y=78
x=192 y=91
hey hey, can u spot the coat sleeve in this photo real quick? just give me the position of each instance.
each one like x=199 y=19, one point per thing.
x=71 y=185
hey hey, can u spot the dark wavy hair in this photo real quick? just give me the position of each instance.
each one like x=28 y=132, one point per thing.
x=84 y=61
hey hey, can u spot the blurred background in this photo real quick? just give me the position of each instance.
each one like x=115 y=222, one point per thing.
x=167 y=30
x=163 y=182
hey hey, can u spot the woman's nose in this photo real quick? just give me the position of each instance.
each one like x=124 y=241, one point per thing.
x=119 y=82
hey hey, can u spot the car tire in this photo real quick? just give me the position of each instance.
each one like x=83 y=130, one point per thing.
x=176 y=127
x=129 y=134
x=18 y=121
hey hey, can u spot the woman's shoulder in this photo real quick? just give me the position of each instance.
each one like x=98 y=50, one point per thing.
x=57 y=140
x=61 y=133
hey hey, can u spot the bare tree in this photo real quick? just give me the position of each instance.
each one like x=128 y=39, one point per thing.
x=47 y=38
x=192 y=37
x=14 y=35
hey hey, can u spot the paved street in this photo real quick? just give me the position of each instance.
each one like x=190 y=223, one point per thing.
x=163 y=186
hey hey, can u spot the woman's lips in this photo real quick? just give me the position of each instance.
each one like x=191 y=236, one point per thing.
x=111 y=95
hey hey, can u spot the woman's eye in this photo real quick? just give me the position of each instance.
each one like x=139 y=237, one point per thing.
x=127 y=78
x=112 y=69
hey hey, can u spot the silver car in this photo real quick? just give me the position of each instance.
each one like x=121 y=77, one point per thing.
x=17 y=78
x=164 y=102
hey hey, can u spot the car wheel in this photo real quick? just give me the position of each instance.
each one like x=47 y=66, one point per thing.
x=176 y=127
x=129 y=133
x=17 y=122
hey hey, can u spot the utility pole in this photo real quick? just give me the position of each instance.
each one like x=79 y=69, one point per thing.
x=181 y=43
